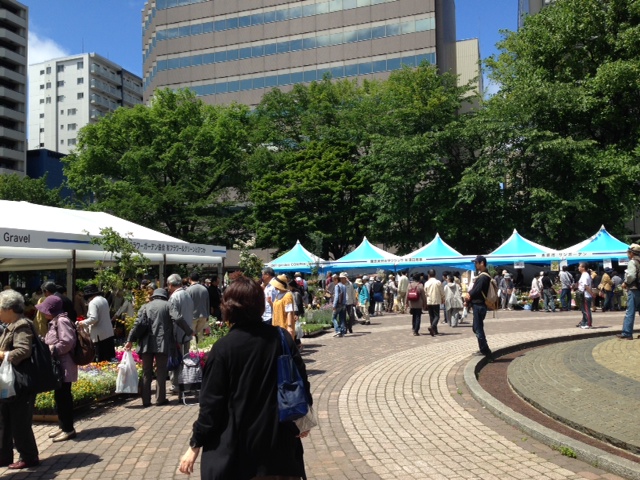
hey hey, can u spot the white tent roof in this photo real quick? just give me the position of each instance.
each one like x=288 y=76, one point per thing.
x=38 y=237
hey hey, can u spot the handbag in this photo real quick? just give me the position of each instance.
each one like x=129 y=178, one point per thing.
x=40 y=372
x=127 y=379
x=292 y=397
x=7 y=381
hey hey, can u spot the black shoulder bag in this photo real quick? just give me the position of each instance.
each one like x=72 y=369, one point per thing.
x=40 y=372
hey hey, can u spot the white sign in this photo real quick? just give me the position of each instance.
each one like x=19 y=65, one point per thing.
x=518 y=264
x=606 y=263
x=68 y=241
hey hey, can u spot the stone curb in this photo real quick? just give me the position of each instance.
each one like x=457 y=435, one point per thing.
x=584 y=452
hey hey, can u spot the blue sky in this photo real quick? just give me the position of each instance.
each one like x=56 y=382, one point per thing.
x=112 y=28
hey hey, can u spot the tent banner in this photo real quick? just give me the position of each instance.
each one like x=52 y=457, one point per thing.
x=54 y=240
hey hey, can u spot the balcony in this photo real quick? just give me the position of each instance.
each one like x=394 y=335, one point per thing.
x=13 y=19
x=12 y=114
x=12 y=75
x=12 y=95
x=106 y=88
x=15 y=57
x=104 y=73
x=12 y=134
x=12 y=37
x=10 y=154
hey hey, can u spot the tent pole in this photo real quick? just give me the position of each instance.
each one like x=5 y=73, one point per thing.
x=71 y=275
x=163 y=267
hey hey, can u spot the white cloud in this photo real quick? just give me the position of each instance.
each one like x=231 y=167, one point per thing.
x=42 y=49
x=491 y=88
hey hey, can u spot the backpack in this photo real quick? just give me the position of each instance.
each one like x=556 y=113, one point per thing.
x=413 y=294
x=491 y=299
x=84 y=352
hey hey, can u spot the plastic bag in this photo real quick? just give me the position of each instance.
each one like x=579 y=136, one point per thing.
x=307 y=422
x=299 y=330
x=7 y=380
x=513 y=300
x=127 y=381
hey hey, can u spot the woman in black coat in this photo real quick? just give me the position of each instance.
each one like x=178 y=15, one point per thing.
x=237 y=427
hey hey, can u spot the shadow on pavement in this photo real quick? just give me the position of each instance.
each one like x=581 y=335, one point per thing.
x=103 y=432
x=66 y=461
x=311 y=372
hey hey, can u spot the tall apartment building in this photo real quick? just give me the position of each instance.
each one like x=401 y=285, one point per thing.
x=227 y=50
x=13 y=82
x=65 y=94
x=530 y=7
x=468 y=64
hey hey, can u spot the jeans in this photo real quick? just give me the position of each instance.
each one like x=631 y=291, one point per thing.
x=549 y=302
x=565 y=298
x=161 y=376
x=416 y=318
x=340 y=320
x=64 y=406
x=608 y=301
x=479 y=312
x=633 y=306
x=586 y=311
x=105 y=350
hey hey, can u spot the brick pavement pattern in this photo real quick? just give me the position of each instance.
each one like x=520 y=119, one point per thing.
x=566 y=382
x=387 y=409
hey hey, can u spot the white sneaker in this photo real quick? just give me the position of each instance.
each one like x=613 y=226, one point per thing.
x=585 y=327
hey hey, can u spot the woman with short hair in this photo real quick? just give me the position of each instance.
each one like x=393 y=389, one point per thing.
x=238 y=427
x=16 y=416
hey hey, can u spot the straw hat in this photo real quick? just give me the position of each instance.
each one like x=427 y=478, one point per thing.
x=281 y=283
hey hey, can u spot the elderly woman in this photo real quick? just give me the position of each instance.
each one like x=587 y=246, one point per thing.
x=237 y=427
x=16 y=416
x=61 y=338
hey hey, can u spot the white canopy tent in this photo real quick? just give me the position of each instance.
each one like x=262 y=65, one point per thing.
x=35 y=237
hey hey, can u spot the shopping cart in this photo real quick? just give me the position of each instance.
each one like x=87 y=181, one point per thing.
x=190 y=380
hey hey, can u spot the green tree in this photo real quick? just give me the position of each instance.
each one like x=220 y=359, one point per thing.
x=176 y=166
x=34 y=190
x=557 y=148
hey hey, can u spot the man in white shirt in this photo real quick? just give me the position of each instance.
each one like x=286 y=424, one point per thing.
x=270 y=294
x=99 y=323
x=403 y=287
x=584 y=289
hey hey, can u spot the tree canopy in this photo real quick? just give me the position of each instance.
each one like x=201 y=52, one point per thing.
x=34 y=190
x=174 y=165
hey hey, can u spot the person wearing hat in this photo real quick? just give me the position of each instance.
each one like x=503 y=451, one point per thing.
x=632 y=285
x=284 y=308
x=154 y=332
x=363 y=300
x=506 y=289
x=340 y=307
x=351 y=301
x=99 y=323
x=476 y=296
x=61 y=338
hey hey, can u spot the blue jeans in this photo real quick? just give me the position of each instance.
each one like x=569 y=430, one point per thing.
x=608 y=301
x=633 y=306
x=340 y=320
x=479 y=312
x=549 y=302
x=565 y=298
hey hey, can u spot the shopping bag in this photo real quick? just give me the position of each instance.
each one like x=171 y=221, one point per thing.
x=513 y=300
x=127 y=380
x=307 y=422
x=292 y=397
x=7 y=380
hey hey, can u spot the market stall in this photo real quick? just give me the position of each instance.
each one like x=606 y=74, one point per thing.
x=299 y=259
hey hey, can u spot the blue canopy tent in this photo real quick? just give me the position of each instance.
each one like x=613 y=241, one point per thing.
x=600 y=246
x=518 y=249
x=298 y=258
x=365 y=256
x=436 y=253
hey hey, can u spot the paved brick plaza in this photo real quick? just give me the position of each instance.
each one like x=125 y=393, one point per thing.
x=391 y=406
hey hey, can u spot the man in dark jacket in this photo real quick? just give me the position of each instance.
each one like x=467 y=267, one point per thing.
x=153 y=330
x=476 y=296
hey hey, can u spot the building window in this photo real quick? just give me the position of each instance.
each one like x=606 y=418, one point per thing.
x=42 y=145
x=60 y=83
x=60 y=98
x=41 y=129
x=48 y=99
x=61 y=127
x=42 y=87
x=48 y=84
x=80 y=95
x=72 y=126
x=42 y=115
x=42 y=100
x=61 y=112
x=41 y=72
x=48 y=70
x=71 y=141
x=61 y=142
x=80 y=80
x=60 y=68
x=80 y=65
x=72 y=111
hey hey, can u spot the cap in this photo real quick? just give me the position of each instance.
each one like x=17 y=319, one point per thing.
x=480 y=259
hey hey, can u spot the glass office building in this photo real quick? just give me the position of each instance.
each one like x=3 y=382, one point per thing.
x=237 y=51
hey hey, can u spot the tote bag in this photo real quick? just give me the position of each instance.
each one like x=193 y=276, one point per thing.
x=40 y=372
x=292 y=397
